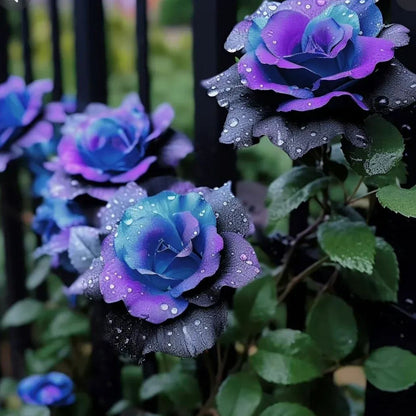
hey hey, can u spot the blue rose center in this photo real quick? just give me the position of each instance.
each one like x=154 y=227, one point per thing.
x=163 y=238
x=115 y=145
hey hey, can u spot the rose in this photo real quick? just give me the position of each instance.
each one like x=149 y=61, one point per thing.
x=114 y=146
x=167 y=257
x=53 y=389
x=310 y=70
x=21 y=107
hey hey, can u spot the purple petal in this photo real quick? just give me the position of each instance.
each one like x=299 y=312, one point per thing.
x=369 y=53
x=209 y=263
x=283 y=32
x=36 y=91
x=132 y=101
x=268 y=77
x=116 y=284
x=13 y=84
x=176 y=149
x=63 y=186
x=124 y=198
x=88 y=284
x=73 y=163
x=5 y=158
x=135 y=172
x=56 y=245
x=55 y=112
x=161 y=120
x=318 y=102
x=40 y=132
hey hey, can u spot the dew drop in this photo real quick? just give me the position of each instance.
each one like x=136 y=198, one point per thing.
x=243 y=257
x=128 y=221
x=164 y=307
x=233 y=122
x=197 y=322
x=174 y=311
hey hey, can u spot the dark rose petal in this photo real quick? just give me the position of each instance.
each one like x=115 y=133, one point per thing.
x=239 y=266
x=84 y=247
x=187 y=336
x=88 y=284
x=244 y=110
x=397 y=34
x=391 y=88
x=231 y=215
x=297 y=138
x=238 y=37
x=124 y=198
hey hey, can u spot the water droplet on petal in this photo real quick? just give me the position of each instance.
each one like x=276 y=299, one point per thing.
x=233 y=122
x=164 y=307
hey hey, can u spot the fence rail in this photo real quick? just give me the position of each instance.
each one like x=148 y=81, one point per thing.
x=215 y=163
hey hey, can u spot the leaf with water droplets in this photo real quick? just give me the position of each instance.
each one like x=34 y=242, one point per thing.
x=383 y=153
x=332 y=325
x=383 y=284
x=351 y=244
x=294 y=187
x=399 y=200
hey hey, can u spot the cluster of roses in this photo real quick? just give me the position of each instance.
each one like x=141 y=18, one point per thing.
x=159 y=251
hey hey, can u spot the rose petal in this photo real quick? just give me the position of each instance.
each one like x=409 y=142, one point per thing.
x=135 y=172
x=318 y=102
x=124 y=198
x=141 y=301
x=193 y=332
x=397 y=34
x=161 y=120
x=177 y=147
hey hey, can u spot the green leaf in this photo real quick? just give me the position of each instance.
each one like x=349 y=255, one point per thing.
x=397 y=175
x=383 y=153
x=255 y=304
x=39 y=273
x=399 y=200
x=34 y=411
x=119 y=407
x=67 y=324
x=351 y=244
x=331 y=324
x=287 y=409
x=391 y=369
x=383 y=284
x=22 y=313
x=8 y=387
x=294 y=187
x=286 y=357
x=45 y=359
x=182 y=389
x=239 y=395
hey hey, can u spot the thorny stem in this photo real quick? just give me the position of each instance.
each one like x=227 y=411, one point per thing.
x=301 y=276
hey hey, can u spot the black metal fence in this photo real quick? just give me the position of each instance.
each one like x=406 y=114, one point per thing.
x=215 y=163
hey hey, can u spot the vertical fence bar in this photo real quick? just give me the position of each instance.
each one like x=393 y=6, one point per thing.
x=91 y=71
x=27 y=48
x=90 y=50
x=56 y=51
x=143 y=52
x=212 y=22
x=396 y=325
x=12 y=227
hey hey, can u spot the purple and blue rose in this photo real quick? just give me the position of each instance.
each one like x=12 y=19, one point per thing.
x=309 y=70
x=104 y=148
x=52 y=389
x=163 y=264
x=22 y=121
